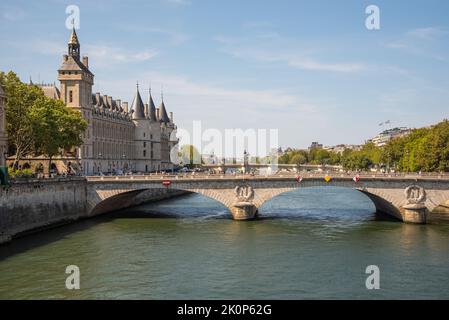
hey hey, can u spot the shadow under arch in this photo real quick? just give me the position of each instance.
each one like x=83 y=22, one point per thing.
x=382 y=208
x=139 y=197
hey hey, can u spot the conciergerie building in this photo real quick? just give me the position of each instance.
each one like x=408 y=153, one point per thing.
x=138 y=138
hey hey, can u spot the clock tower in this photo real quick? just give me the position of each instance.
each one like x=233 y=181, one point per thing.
x=76 y=92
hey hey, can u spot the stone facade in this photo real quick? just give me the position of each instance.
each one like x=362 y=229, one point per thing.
x=3 y=135
x=117 y=139
x=408 y=199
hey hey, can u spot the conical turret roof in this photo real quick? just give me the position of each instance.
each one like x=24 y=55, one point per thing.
x=137 y=106
x=163 y=117
x=151 y=107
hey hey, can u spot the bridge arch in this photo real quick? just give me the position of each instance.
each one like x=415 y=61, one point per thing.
x=244 y=196
x=103 y=201
x=381 y=204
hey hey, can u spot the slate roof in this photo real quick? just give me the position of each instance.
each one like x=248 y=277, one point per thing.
x=137 y=106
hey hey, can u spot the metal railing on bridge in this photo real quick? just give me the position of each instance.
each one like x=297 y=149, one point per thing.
x=288 y=175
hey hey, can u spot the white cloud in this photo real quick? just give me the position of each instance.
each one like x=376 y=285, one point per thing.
x=106 y=54
x=422 y=41
x=222 y=107
x=182 y=86
x=12 y=13
x=296 y=58
x=173 y=37
x=179 y=2
x=430 y=33
x=102 y=54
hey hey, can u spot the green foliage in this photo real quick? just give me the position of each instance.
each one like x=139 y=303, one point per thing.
x=189 y=155
x=21 y=98
x=36 y=124
x=368 y=156
x=25 y=173
x=424 y=149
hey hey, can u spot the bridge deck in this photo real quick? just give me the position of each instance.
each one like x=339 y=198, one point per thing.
x=283 y=177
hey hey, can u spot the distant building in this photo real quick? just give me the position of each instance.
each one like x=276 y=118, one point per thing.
x=342 y=147
x=210 y=159
x=3 y=135
x=385 y=136
x=315 y=145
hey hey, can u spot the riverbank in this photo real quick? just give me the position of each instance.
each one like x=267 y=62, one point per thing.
x=34 y=205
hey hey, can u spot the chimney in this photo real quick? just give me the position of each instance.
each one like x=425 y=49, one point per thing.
x=171 y=117
x=97 y=97
x=65 y=58
x=157 y=113
x=110 y=101
x=146 y=110
x=125 y=106
x=86 y=61
x=105 y=101
x=119 y=103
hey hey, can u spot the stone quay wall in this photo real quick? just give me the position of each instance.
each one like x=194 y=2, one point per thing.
x=34 y=205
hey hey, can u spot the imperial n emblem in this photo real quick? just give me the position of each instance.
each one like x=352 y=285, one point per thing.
x=244 y=193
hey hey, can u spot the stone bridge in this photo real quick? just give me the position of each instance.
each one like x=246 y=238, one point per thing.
x=409 y=199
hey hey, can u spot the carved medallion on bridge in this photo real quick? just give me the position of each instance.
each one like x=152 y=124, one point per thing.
x=415 y=195
x=244 y=193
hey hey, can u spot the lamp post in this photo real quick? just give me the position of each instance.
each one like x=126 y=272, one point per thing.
x=223 y=165
x=407 y=152
x=245 y=161
x=100 y=156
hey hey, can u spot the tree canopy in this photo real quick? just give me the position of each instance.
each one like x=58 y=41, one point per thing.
x=424 y=149
x=38 y=125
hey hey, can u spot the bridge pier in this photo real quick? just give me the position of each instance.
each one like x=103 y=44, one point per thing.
x=414 y=213
x=243 y=211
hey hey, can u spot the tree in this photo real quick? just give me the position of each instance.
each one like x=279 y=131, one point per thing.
x=56 y=127
x=298 y=158
x=189 y=155
x=37 y=124
x=21 y=98
x=320 y=156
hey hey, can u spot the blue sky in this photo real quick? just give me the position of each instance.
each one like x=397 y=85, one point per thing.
x=308 y=68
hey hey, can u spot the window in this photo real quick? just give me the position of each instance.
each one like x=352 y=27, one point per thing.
x=70 y=96
x=144 y=134
x=144 y=144
x=144 y=153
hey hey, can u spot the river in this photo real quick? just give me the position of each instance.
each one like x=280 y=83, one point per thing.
x=308 y=244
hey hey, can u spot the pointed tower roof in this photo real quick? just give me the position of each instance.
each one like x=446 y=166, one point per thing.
x=163 y=117
x=151 y=107
x=138 y=106
x=74 y=38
